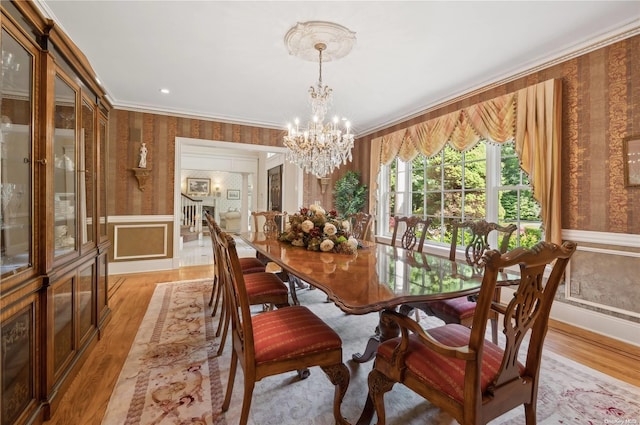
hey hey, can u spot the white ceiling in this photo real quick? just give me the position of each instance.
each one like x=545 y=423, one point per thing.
x=226 y=60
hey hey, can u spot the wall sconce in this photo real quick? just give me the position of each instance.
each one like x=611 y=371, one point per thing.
x=142 y=174
x=324 y=183
x=217 y=192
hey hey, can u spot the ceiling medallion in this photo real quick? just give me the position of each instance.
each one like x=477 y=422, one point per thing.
x=319 y=148
x=303 y=37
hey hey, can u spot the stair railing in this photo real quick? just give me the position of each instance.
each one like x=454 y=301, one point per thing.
x=191 y=213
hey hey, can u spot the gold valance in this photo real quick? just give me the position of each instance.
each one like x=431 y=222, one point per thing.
x=531 y=117
x=493 y=120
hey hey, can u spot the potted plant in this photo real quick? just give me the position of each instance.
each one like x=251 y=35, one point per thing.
x=349 y=194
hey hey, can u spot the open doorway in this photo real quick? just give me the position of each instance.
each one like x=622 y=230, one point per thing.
x=234 y=157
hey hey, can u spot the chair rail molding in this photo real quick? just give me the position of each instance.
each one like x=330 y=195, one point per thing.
x=139 y=218
x=604 y=238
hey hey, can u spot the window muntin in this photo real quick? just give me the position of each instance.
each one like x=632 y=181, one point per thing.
x=484 y=181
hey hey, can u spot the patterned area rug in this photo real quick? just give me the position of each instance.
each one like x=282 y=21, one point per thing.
x=172 y=377
x=171 y=374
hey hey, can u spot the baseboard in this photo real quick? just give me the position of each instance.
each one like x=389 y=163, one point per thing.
x=595 y=322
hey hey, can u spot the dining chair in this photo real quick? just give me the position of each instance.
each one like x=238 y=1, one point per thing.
x=412 y=238
x=474 y=236
x=276 y=341
x=263 y=288
x=455 y=368
x=360 y=225
x=415 y=231
x=272 y=222
x=248 y=264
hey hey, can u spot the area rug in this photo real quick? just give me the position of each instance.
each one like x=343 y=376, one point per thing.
x=173 y=377
x=171 y=373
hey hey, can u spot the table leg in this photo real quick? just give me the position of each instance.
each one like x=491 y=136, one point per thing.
x=292 y=285
x=369 y=352
x=386 y=329
x=294 y=282
x=367 y=412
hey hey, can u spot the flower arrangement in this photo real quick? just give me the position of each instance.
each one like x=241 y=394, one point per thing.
x=318 y=230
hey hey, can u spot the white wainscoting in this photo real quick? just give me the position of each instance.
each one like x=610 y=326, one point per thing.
x=140 y=264
x=612 y=244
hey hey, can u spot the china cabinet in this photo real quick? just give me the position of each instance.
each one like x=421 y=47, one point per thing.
x=53 y=222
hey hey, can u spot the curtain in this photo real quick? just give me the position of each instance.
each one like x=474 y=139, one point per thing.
x=538 y=142
x=531 y=117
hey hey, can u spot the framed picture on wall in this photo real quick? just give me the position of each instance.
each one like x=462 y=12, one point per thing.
x=198 y=187
x=233 y=194
x=631 y=149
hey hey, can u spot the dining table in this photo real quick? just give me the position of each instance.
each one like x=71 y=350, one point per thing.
x=374 y=278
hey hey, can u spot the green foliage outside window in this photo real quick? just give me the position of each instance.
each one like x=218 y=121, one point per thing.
x=453 y=185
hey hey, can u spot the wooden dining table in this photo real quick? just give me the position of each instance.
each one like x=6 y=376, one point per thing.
x=376 y=277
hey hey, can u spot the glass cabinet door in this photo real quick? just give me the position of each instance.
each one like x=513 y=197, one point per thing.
x=16 y=156
x=86 y=171
x=102 y=193
x=64 y=174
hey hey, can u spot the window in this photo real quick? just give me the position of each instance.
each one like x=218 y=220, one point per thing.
x=482 y=182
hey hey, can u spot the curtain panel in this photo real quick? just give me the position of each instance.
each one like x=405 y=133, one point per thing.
x=532 y=117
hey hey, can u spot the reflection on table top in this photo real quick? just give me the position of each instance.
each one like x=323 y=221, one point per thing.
x=376 y=277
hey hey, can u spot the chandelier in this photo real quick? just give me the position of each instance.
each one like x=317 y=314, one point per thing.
x=318 y=147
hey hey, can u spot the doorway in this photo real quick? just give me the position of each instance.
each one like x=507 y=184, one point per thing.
x=274 y=190
x=215 y=155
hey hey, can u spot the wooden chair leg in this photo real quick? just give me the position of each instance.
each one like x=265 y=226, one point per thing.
x=339 y=376
x=223 y=312
x=217 y=300
x=233 y=365
x=214 y=289
x=530 y=413
x=249 y=383
x=225 y=317
x=378 y=386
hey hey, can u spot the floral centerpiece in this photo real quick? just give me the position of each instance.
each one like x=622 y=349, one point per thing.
x=318 y=230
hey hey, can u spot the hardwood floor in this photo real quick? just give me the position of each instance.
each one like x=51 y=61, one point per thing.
x=86 y=400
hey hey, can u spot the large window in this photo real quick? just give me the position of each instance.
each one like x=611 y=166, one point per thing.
x=482 y=182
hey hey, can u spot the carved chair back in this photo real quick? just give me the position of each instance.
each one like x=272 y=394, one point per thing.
x=415 y=231
x=455 y=367
x=273 y=222
x=474 y=235
x=360 y=225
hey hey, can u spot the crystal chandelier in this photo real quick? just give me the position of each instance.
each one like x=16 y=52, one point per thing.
x=319 y=148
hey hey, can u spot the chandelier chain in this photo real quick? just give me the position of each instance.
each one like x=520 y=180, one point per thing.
x=320 y=47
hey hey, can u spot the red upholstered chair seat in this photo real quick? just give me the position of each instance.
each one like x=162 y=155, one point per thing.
x=264 y=283
x=251 y=265
x=275 y=339
x=459 y=307
x=445 y=373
